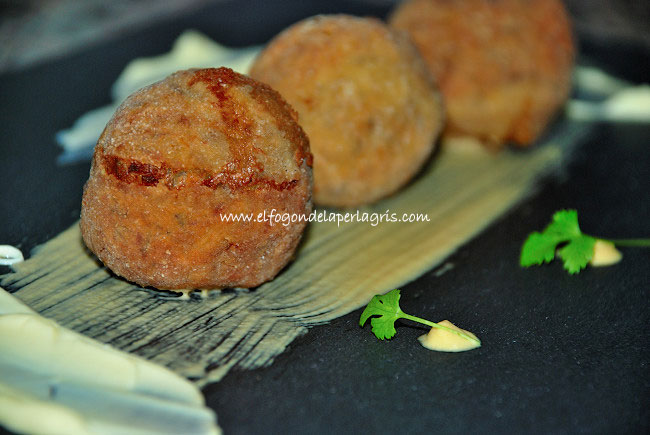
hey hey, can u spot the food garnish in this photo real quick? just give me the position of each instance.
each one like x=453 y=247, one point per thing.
x=577 y=250
x=387 y=308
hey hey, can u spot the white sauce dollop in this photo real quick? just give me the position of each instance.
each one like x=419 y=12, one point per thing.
x=10 y=255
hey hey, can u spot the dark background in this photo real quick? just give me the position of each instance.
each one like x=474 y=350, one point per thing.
x=561 y=354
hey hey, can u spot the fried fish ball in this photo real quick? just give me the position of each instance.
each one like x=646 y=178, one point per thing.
x=503 y=66
x=179 y=158
x=365 y=99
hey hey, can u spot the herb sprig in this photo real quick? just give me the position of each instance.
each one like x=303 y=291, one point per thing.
x=387 y=308
x=577 y=250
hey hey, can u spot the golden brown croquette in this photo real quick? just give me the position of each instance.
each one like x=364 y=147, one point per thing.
x=503 y=66
x=175 y=159
x=365 y=99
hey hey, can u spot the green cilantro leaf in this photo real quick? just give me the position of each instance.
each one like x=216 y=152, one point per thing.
x=564 y=224
x=387 y=308
x=540 y=248
x=577 y=249
x=577 y=253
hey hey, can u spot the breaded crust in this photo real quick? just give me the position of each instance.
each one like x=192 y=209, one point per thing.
x=365 y=99
x=503 y=66
x=177 y=157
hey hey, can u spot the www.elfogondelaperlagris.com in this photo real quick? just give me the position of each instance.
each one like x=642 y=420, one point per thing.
x=275 y=217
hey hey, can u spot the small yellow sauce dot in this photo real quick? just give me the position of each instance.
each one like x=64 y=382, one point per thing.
x=605 y=254
x=446 y=341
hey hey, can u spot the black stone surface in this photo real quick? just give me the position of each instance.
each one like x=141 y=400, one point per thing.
x=561 y=354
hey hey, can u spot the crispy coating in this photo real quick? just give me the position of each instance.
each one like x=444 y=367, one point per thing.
x=503 y=66
x=176 y=158
x=365 y=99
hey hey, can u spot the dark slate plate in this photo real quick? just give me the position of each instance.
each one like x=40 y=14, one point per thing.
x=561 y=354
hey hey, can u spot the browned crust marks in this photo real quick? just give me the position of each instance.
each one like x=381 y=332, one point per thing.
x=244 y=170
x=239 y=129
x=144 y=174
